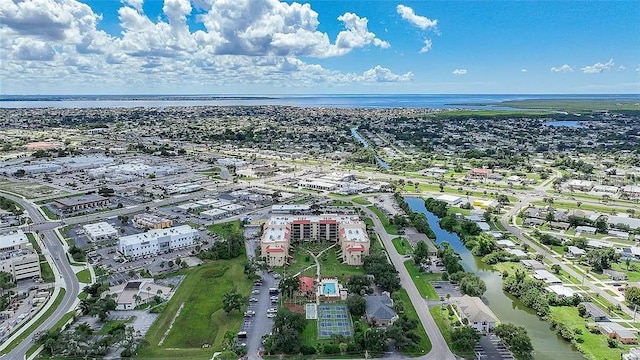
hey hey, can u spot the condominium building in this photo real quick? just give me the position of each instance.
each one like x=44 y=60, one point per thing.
x=157 y=241
x=347 y=230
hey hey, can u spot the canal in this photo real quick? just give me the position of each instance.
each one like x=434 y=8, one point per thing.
x=547 y=345
x=363 y=141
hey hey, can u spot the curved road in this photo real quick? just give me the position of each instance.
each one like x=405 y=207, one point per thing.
x=66 y=278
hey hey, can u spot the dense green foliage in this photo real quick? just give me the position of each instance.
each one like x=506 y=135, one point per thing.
x=385 y=274
x=516 y=339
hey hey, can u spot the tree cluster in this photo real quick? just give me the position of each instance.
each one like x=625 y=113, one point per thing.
x=517 y=340
x=385 y=274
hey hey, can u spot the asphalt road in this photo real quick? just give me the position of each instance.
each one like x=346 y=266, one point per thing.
x=67 y=277
x=439 y=349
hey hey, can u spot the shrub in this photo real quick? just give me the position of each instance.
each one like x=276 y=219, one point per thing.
x=307 y=350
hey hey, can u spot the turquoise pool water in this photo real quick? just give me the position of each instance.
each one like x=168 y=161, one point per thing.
x=329 y=289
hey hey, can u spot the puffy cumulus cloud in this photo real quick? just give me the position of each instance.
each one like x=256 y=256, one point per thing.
x=271 y=27
x=524 y=70
x=638 y=68
x=136 y=4
x=459 y=72
x=56 y=43
x=427 y=46
x=409 y=15
x=29 y=49
x=598 y=67
x=563 y=68
x=382 y=74
x=357 y=34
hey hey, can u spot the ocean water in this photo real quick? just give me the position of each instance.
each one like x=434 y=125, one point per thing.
x=317 y=101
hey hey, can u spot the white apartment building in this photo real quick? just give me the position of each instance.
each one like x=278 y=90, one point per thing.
x=157 y=241
x=100 y=231
x=347 y=230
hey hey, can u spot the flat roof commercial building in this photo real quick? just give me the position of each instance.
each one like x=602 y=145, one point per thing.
x=157 y=241
x=347 y=230
x=149 y=221
x=13 y=240
x=20 y=264
x=83 y=202
x=100 y=231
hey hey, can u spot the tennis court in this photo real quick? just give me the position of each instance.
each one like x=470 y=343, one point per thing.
x=334 y=319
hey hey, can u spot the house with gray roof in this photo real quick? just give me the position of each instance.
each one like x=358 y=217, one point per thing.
x=380 y=310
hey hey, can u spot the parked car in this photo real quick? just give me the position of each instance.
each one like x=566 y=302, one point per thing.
x=271 y=315
x=253 y=299
x=255 y=292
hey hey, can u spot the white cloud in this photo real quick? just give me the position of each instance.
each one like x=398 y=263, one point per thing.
x=57 y=45
x=382 y=74
x=459 y=71
x=598 y=67
x=638 y=68
x=426 y=47
x=524 y=70
x=136 y=4
x=409 y=15
x=563 y=68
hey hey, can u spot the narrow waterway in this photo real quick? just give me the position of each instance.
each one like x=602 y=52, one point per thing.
x=363 y=141
x=547 y=345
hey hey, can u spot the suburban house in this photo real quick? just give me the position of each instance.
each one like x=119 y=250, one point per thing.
x=380 y=309
x=547 y=277
x=615 y=275
x=586 y=229
x=574 y=252
x=616 y=331
x=532 y=264
x=478 y=314
x=594 y=312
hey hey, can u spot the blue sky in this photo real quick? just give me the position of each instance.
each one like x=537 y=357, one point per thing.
x=274 y=47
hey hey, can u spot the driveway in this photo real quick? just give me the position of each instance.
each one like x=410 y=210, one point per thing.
x=259 y=325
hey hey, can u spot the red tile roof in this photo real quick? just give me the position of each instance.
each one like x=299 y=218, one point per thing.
x=306 y=284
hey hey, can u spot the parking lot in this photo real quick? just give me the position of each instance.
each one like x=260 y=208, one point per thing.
x=491 y=347
x=258 y=322
x=444 y=287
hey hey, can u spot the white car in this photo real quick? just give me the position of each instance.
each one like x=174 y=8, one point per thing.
x=255 y=292
x=272 y=311
x=253 y=299
x=271 y=315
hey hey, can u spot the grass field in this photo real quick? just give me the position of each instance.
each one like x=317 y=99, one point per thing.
x=31 y=190
x=47 y=273
x=84 y=276
x=361 y=201
x=575 y=105
x=50 y=214
x=40 y=320
x=441 y=317
x=331 y=266
x=423 y=280
x=226 y=229
x=410 y=312
x=594 y=346
x=202 y=320
x=390 y=228
x=402 y=246
x=583 y=206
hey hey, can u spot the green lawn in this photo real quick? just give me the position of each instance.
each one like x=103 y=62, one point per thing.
x=226 y=229
x=594 y=346
x=390 y=228
x=50 y=214
x=361 y=201
x=410 y=312
x=423 y=280
x=631 y=274
x=111 y=325
x=40 y=320
x=47 y=273
x=574 y=205
x=340 y=203
x=202 y=320
x=331 y=266
x=84 y=276
x=441 y=317
x=402 y=246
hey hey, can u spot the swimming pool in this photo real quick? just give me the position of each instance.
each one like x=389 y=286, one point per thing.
x=329 y=289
